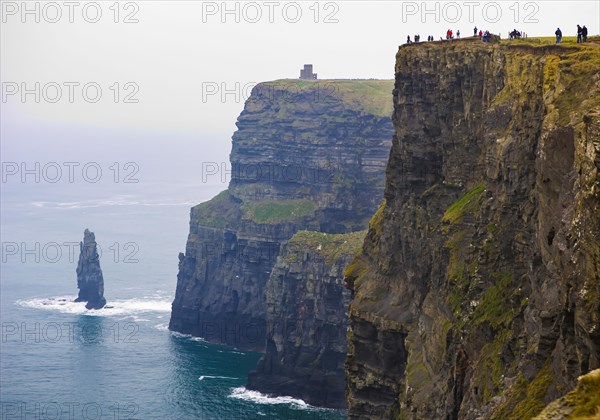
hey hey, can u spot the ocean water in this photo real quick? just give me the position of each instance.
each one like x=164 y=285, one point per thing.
x=60 y=361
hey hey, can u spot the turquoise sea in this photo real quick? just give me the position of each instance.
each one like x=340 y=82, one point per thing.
x=60 y=361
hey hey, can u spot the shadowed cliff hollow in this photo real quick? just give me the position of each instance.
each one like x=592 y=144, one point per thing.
x=307 y=155
x=477 y=290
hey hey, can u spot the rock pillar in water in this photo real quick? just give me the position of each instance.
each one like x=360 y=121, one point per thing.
x=89 y=275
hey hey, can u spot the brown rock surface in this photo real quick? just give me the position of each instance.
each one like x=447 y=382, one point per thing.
x=477 y=292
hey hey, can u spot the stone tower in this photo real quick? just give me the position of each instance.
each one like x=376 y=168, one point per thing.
x=307 y=73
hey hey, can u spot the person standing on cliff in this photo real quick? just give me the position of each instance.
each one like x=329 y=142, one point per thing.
x=579 y=31
x=408 y=41
x=458 y=34
x=475 y=31
x=558 y=34
x=584 y=33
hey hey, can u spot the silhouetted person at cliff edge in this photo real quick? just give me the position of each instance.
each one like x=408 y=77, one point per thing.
x=558 y=34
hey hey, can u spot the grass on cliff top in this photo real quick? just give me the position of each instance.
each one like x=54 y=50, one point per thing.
x=550 y=40
x=570 y=85
x=579 y=92
x=330 y=246
x=367 y=96
x=271 y=211
x=216 y=212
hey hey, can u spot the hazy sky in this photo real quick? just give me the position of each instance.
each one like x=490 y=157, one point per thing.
x=170 y=60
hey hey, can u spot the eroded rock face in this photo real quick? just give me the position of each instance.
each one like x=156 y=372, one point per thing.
x=89 y=275
x=476 y=294
x=306 y=320
x=306 y=155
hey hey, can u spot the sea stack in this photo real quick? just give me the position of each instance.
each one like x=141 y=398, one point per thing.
x=89 y=275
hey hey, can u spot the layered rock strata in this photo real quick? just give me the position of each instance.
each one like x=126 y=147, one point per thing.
x=477 y=291
x=307 y=155
x=307 y=321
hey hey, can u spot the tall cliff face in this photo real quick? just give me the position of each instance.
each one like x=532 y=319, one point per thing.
x=477 y=292
x=306 y=155
x=326 y=142
x=90 y=281
x=307 y=321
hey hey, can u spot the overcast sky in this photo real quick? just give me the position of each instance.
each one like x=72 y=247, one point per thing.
x=166 y=63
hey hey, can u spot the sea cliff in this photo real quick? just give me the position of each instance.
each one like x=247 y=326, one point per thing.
x=477 y=290
x=307 y=155
x=307 y=320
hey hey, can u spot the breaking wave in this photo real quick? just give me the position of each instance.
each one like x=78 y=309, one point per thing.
x=242 y=393
x=127 y=307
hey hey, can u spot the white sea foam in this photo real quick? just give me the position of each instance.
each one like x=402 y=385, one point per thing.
x=203 y=377
x=139 y=319
x=242 y=393
x=120 y=200
x=162 y=327
x=129 y=307
x=188 y=336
